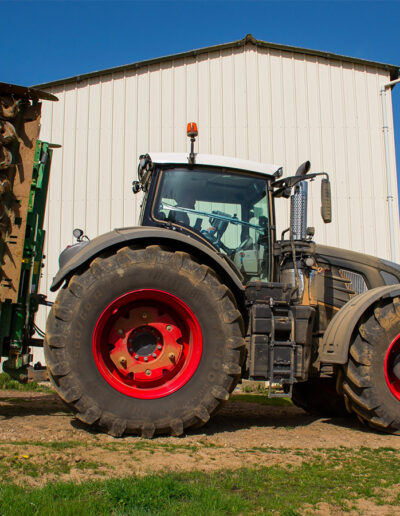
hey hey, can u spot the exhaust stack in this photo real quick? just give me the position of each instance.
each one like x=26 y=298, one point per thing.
x=298 y=205
x=298 y=211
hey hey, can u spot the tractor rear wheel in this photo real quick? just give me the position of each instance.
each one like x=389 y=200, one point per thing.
x=144 y=341
x=319 y=397
x=371 y=377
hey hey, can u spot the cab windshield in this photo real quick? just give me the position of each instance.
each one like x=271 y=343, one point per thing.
x=227 y=209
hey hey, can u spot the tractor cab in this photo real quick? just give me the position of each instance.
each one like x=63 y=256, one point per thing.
x=223 y=202
x=226 y=208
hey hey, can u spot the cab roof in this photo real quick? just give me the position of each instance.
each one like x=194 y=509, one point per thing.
x=181 y=158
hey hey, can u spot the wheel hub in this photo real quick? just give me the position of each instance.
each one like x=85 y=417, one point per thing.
x=147 y=343
x=147 y=352
x=143 y=341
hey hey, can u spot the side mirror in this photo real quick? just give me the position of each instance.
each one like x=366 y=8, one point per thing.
x=326 y=202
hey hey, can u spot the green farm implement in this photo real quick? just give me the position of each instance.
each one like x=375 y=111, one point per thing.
x=24 y=177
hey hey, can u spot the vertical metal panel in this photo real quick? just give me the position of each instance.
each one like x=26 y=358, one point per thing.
x=255 y=103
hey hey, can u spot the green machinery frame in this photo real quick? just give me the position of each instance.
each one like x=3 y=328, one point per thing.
x=17 y=325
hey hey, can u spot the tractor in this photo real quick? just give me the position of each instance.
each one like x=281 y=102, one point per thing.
x=154 y=325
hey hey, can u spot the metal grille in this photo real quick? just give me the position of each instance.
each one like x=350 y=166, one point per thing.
x=298 y=207
x=357 y=282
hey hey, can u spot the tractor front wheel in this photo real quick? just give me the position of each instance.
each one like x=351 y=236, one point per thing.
x=144 y=341
x=371 y=377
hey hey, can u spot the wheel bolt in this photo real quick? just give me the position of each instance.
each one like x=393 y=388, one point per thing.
x=154 y=355
x=148 y=372
x=120 y=331
x=136 y=357
x=159 y=347
x=146 y=359
x=171 y=356
x=169 y=327
x=144 y=315
x=122 y=361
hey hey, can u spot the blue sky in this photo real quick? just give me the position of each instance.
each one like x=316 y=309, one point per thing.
x=48 y=40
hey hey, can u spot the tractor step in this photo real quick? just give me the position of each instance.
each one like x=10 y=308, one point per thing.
x=282 y=362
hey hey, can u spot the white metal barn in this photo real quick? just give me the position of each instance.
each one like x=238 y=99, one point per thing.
x=251 y=100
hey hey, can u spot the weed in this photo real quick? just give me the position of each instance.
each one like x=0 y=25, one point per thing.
x=247 y=388
x=6 y=382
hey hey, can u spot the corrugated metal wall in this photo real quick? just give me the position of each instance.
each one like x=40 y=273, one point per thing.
x=250 y=102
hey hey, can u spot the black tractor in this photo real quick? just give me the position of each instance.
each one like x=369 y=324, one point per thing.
x=154 y=325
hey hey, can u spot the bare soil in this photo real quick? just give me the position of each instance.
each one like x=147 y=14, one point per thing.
x=38 y=416
x=42 y=439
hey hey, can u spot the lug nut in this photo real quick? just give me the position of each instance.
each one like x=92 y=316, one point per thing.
x=159 y=347
x=146 y=359
x=136 y=357
x=169 y=327
x=120 y=331
x=148 y=372
x=122 y=361
x=171 y=356
x=144 y=315
x=154 y=355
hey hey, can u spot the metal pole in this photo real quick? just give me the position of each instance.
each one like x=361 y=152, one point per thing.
x=389 y=197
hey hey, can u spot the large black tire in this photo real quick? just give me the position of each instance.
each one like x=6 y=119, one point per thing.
x=365 y=387
x=319 y=397
x=80 y=304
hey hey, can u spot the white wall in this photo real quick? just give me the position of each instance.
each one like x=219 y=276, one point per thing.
x=249 y=102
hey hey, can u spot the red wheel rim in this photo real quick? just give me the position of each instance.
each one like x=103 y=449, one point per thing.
x=147 y=344
x=391 y=362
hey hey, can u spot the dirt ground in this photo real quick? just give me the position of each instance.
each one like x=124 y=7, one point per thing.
x=40 y=416
x=41 y=441
x=37 y=428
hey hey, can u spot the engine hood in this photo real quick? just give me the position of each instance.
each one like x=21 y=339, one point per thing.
x=376 y=271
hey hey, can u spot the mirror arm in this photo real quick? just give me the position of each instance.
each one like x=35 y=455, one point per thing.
x=291 y=181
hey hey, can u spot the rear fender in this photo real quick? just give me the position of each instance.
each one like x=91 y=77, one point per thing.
x=150 y=236
x=337 y=337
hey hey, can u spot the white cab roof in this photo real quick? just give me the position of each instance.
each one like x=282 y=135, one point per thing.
x=214 y=161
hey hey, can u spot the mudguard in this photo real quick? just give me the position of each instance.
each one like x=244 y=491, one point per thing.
x=149 y=236
x=336 y=341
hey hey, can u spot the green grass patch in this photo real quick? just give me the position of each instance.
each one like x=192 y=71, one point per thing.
x=125 y=446
x=155 y=445
x=54 y=445
x=261 y=399
x=22 y=464
x=7 y=383
x=338 y=477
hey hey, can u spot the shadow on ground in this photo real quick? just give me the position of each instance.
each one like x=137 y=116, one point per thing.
x=234 y=416
x=17 y=404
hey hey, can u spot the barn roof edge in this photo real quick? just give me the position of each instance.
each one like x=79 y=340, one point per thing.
x=249 y=39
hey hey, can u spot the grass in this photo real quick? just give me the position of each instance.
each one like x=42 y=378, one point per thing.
x=336 y=476
x=40 y=464
x=261 y=399
x=54 y=445
x=6 y=382
x=257 y=387
x=127 y=447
